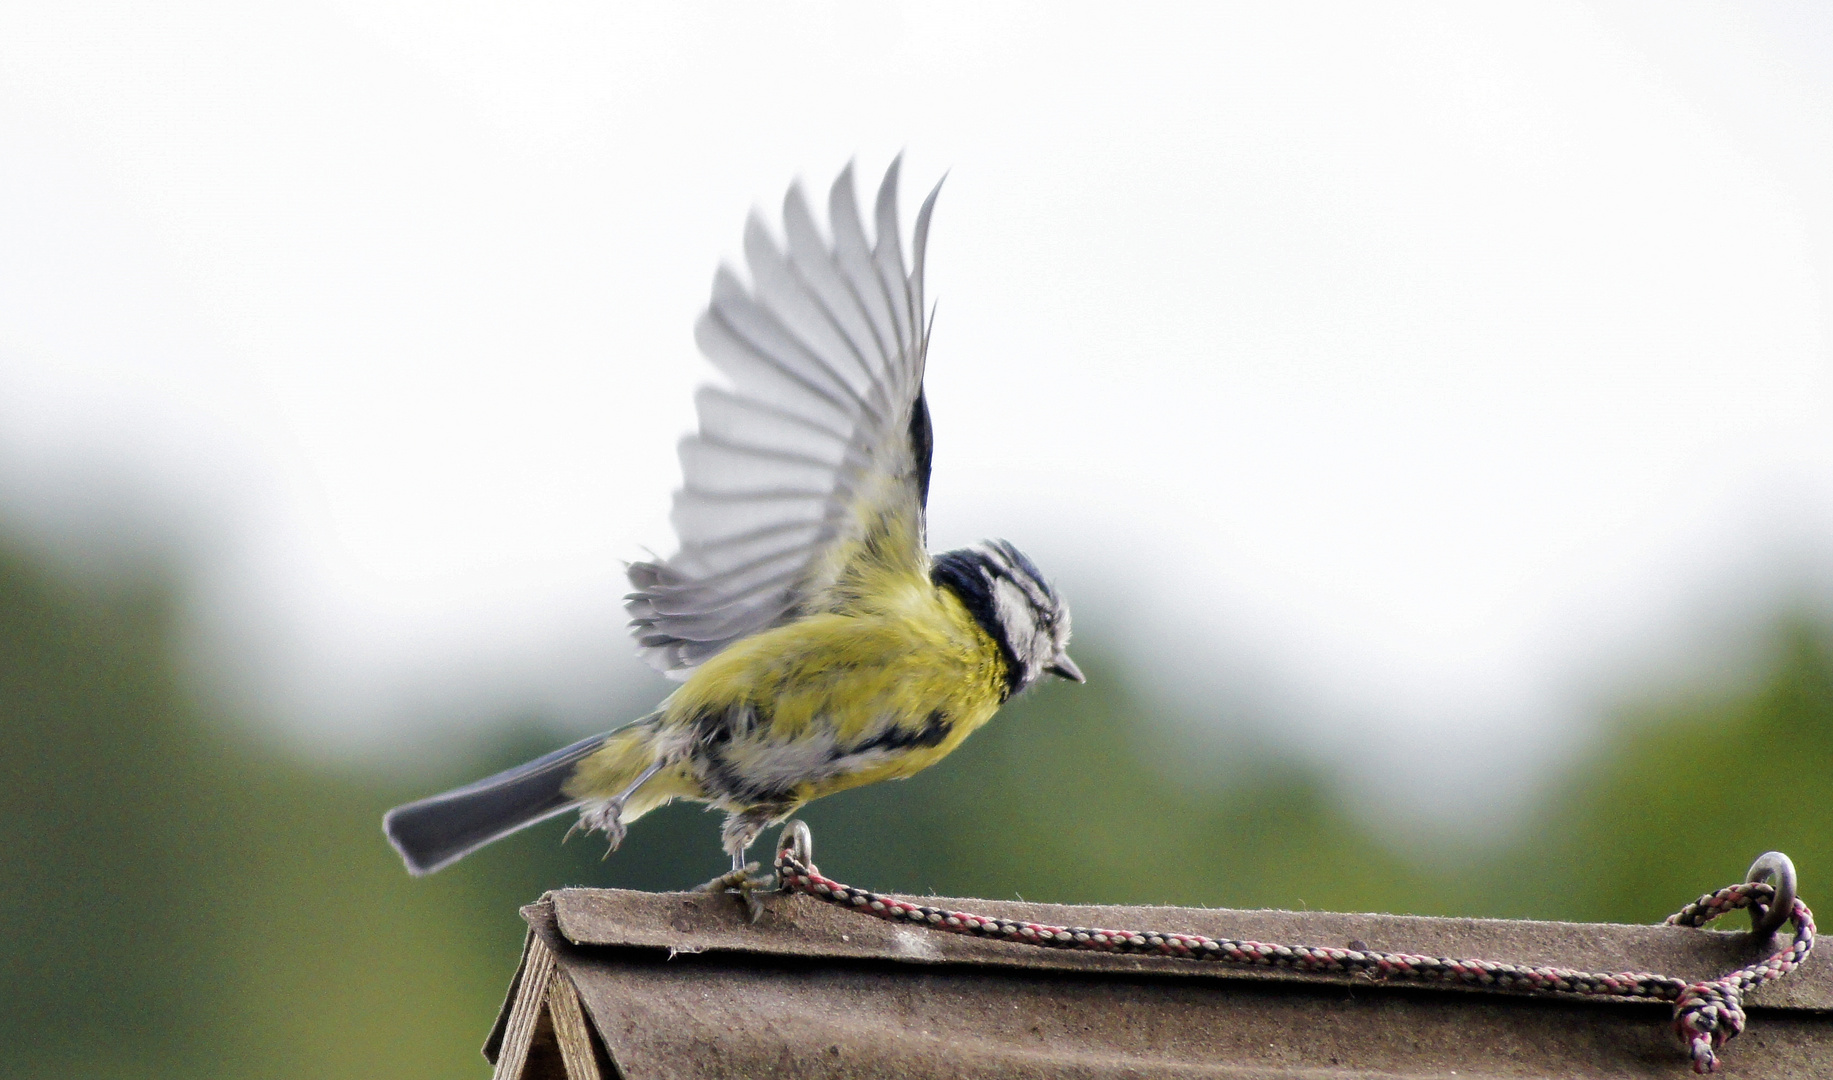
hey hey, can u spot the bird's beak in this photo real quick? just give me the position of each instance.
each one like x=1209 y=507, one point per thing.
x=1064 y=667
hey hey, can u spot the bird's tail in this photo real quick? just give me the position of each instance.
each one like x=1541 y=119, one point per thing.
x=437 y=832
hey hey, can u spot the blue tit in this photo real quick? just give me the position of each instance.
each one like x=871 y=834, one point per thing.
x=818 y=644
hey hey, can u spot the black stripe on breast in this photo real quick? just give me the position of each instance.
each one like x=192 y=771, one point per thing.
x=932 y=733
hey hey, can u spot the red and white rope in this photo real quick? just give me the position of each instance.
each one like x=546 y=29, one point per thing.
x=1706 y=1014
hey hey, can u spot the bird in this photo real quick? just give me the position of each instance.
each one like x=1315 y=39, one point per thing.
x=818 y=643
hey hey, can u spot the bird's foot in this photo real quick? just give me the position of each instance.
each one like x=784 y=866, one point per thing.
x=607 y=819
x=747 y=883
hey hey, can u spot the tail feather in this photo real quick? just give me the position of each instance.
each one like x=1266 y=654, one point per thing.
x=437 y=832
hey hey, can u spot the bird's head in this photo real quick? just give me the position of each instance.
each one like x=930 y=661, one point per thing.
x=1008 y=596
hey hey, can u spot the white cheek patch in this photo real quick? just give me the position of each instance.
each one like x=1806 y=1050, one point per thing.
x=1013 y=605
x=1019 y=618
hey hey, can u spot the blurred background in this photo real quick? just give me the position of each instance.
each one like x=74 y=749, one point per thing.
x=1426 y=410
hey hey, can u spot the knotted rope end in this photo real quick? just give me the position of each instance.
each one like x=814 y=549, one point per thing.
x=1706 y=1016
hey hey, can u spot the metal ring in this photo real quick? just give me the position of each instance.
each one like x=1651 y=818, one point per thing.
x=1775 y=868
x=800 y=843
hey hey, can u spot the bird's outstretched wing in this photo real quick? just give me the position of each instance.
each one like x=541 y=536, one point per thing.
x=816 y=459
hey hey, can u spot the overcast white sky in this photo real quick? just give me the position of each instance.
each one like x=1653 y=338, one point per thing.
x=1412 y=362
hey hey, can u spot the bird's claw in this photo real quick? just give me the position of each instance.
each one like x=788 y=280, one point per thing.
x=607 y=819
x=746 y=882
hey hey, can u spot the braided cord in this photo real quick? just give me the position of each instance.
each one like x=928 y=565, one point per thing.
x=1706 y=1014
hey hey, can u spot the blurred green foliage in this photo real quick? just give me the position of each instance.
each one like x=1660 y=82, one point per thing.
x=180 y=898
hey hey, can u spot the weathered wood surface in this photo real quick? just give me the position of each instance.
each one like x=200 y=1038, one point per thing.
x=679 y=985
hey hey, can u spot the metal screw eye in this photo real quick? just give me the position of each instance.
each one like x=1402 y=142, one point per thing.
x=800 y=843
x=1774 y=867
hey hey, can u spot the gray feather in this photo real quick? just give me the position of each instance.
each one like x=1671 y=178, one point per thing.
x=824 y=351
x=730 y=420
x=888 y=255
x=780 y=289
x=439 y=831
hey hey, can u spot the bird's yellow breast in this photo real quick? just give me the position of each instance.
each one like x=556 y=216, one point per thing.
x=835 y=700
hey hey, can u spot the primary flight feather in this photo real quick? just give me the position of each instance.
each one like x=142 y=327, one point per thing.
x=819 y=645
x=820 y=449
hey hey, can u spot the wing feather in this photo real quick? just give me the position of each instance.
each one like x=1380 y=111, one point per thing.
x=764 y=333
x=708 y=562
x=760 y=374
x=782 y=291
x=919 y=245
x=813 y=264
x=888 y=258
x=853 y=258
x=815 y=457
x=710 y=518
x=718 y=469
x=689 y=598
x=740 y=421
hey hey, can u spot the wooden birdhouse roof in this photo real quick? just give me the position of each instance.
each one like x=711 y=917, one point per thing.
x=647 y=985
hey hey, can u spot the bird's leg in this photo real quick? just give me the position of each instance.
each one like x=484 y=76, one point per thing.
x=609 y=817
x=741 y=829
